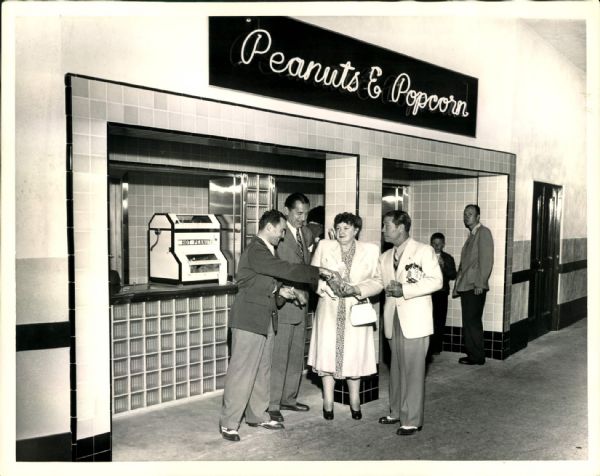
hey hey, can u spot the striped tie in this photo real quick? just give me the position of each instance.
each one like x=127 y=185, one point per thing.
x=299 y=244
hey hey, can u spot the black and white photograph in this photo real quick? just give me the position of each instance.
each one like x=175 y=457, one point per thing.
x=284 y=238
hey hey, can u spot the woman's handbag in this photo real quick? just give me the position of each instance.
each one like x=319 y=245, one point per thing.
x=362 y=313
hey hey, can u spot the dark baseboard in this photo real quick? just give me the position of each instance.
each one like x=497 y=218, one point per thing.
x=94 y=448
x=519 y=335
x=45 y=448
x=571 y=312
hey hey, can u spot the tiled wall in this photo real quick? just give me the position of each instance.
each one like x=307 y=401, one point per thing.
x=493 y=199
x=340 y=188
x=95 y=102
x=151 y=193
x=369 y=200
x=438 y=205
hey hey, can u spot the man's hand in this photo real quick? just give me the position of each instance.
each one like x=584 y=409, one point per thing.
x=327 y=274
x=477 y=291
x=394 y=289
x=287 y=293
x=300 y=299
x=348 y=290
x=293 y=295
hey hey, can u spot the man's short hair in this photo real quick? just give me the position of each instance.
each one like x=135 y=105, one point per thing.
x=437 y=236
x=316 y=215
x=270 y=216
x=399 y=218
x=296 y=197
x=349 y=219
x=474 y=207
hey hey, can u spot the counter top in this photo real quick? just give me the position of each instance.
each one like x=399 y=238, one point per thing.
x=157 y=291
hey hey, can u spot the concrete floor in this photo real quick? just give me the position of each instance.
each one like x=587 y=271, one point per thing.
x=532 y=406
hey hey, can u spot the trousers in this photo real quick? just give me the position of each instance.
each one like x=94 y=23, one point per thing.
x=407 y=376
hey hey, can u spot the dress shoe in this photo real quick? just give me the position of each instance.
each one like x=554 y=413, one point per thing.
x=276 y=415
x=388 y=420
x=229 y=434
x=328 y=414
x=356 y=414
x=269 y=425
x=298 y=407
x=404 y=431
x=468 y=361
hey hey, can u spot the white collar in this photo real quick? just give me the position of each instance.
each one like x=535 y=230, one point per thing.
x=398 y=250
x=293 y=229
x=475 y=228
x=269 y=245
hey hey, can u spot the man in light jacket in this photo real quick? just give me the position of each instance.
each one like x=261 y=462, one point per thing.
x=476 y=262
x=410 y=273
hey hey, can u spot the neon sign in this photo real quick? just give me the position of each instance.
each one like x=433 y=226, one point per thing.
x=291 y=60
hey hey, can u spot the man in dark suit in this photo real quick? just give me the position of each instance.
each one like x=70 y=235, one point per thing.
x=439 y=299
x=288 y=344
x=476 y=262
x=253 y=323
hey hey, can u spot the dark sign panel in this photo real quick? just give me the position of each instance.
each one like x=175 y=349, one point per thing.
x=289 y=59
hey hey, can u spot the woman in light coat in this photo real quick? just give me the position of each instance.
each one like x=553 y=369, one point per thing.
x=337 y=348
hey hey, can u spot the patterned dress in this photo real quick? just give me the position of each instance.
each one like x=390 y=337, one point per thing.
x=347 y=257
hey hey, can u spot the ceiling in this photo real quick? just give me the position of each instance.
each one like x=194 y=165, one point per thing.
x=566 y=36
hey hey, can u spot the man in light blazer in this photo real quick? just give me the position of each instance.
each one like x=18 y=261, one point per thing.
x=410 y=273
x=254 y=322
x=476 y=262
x=288 y=344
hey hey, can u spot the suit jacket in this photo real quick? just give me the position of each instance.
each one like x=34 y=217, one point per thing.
x=257 y=279
x=414 y=308
x=448 y=272
x=476 y=261
x=287 y=250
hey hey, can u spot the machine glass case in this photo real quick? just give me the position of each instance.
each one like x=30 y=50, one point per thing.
x=185 y=249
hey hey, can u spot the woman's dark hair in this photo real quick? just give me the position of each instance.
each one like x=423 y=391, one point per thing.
x=349 y=219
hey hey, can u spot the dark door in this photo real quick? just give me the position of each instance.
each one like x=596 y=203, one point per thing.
x=545 y=242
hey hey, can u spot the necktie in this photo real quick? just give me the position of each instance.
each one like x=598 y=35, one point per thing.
x=396 y=259
x=300 y=250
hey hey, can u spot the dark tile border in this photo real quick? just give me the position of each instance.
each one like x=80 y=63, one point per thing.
x=496 y=344
x=45 y=448
x=519 y=335
x=51 y=335
x=572 y=266
x=369 y=390
x=522 y=276
x=571 y=312
x=94 y=448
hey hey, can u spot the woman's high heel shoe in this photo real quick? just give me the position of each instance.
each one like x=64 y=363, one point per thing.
x=328 y=414
x=356 y=414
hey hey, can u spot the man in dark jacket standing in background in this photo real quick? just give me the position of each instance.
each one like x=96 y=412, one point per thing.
x=476 y=262
x=439 y=299
x=253 y=323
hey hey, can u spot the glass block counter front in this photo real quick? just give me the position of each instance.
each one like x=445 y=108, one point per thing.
x=168 y=349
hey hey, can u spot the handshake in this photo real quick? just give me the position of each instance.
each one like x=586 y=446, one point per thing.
x=339 y=287
x=289 y=293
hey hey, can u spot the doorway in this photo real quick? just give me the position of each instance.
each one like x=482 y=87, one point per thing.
x=545 y=245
